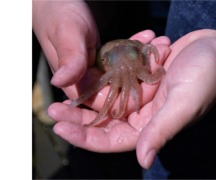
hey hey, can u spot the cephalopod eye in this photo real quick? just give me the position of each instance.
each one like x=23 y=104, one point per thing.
x=103 y=59
x=111 y=57
x=100 y=62
x=132 y=53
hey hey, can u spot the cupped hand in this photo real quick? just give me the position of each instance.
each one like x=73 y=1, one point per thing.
x=69 y=38
x=185 y=93
x=117 y=135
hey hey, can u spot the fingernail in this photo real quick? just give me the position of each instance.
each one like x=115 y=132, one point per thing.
x=58 y=74
x=56 y=130
x=60 y=71
x=150 y=157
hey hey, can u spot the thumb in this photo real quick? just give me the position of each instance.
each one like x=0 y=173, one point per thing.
x=72 y=63
x=166 y=123
x=74 y=53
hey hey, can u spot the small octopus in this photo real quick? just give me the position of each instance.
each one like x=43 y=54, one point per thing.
x=125 y=63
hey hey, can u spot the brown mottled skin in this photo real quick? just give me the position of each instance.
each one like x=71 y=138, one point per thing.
x=124 y=62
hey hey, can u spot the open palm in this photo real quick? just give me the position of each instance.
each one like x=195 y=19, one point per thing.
x=185 y=93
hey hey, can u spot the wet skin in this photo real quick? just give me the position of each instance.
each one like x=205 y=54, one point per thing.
x=125 y=63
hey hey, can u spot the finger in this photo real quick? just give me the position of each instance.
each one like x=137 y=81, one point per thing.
x=164 y=52
x=161 y=40
x=60 y=111
x=117 y=136
x=65 y=112
x=97 y=139
x=145 y=36
x=92 y=139
x=162 y=43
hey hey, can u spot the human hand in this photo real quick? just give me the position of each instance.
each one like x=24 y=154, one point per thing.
x=68 y=36
x=76 y=116
x=185 y=93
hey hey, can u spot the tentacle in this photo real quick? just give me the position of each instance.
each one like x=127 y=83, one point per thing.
x=150 y=78
x=136 y=92
x=111 y=97
x=91 y=91
x=147 y=50
x=124 y=93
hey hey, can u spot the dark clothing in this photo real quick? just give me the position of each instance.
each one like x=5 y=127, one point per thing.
x=192 y=153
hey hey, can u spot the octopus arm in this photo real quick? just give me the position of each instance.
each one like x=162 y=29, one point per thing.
x=147 y=49
x=150 y=78
x=111 y=97
x=91 y=91
x=125 y=91
x=136 y=92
